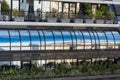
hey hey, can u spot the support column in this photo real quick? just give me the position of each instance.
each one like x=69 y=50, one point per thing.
x=0 y=7
x=21 y=64
x=19 y=6
x=79 y=7
x=94 y=8
x=11 y=10
x=82 y=9
x=75 y=9
x=31 y=15
x=58 y=9
x=68 y=10
x=62 y=7
x=50 y=9
x=41 y=8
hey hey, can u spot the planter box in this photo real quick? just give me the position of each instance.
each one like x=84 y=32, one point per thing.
x=19 y=19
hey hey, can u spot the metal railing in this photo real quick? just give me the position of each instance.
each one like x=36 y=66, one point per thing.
x=54 y=17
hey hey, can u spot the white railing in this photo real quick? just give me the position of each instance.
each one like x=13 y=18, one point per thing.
x=92 y=1
x=46 y=24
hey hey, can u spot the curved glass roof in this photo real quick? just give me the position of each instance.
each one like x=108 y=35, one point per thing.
x=15 y=40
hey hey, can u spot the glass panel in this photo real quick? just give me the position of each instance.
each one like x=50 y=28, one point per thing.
x=4 y=48
x=74 y=40
x=117 y=39
x=4 y=40
x=67 y=40
x=35 y=40
x=72 y=9
x=25 y=39
x=80 y=42
x=42 y=47
x=49 y=40
x=103 y=41
x=65 y=10
x=46 y=6
x=110 y=40
x=93 y=39
x=97 y=44
x=15 y=48
x=58 y=40
x=87 y=40
x=15 y=40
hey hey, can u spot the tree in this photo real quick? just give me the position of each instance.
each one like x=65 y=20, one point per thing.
x=4 y=6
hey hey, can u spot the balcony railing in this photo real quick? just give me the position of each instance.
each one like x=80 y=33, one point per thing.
x=55 y=17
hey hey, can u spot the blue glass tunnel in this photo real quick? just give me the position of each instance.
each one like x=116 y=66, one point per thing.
x=23 y=39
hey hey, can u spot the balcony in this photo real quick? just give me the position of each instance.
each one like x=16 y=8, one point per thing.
x=56 y=18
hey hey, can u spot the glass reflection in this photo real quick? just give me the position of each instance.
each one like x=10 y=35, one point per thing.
x=58 y=40
x=103 y=40
x=117 y=39
x=93 y=39
x=110 y=39
x=15 y=40
x=81 y=40
x=87 y=40
x=35 y=40
x=97 y=40
x=49 y=40
x=43 y=41
x=74 y=40
x=4 y=40
x=25 y=40
x=67 y=40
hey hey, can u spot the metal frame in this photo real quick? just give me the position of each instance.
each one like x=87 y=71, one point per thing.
x=94 y=38
x=113 y=38
x=53 y=38
x=46 y=54
x=71 y=38
x=106 y=38
x=44 y=39
x=83 y=38
x=62 y=38
x=72 y=34
x=75 y=38
x=91 y=38
x=30 y=39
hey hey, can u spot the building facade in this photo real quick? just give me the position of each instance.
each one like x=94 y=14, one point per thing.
x=43 y=44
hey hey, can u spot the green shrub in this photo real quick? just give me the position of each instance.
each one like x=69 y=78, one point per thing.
x=110 y=15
